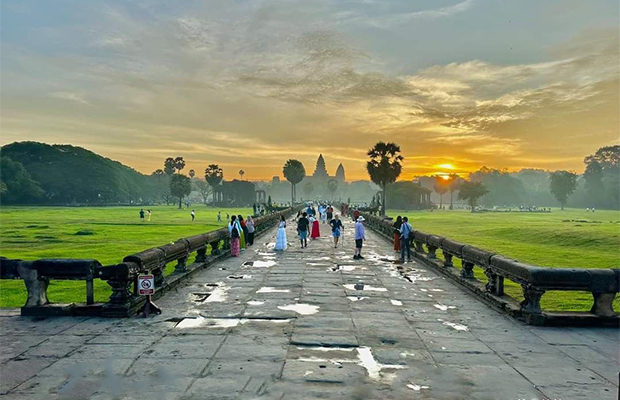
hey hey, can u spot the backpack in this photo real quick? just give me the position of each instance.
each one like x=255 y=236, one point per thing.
x=235 y=233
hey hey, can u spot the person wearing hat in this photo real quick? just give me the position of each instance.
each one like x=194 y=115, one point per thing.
x=360 y=236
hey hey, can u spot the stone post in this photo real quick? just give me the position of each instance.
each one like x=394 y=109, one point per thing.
x=181 y=265
x=431 y=252
x=215 y=247
x=467 y=271
x=532 y=296
x=201 y=254
x=447 y=260
x=603 y=304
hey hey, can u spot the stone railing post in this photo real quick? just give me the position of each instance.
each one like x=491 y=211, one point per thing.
x=215 y=247
x=431 y=252
x=495 y=284
x=201 y=254
x=467 y=271
x=532 y=296
x=447 y=262
x=158 y=275
x=603 y=304
x=181 y=265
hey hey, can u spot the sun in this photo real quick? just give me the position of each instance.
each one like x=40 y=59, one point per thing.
x=445 y=177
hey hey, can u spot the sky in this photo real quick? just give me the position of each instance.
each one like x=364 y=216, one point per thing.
x=248 y=84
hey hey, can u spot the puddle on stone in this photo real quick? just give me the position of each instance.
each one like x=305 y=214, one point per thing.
x=239 y=276
x=364 y=359
x=358 y=298
x=342 y=268
x=373 y=367
x=366 y=287
x=200 y=297
x=407 y=354
x=255 y=303
x=417 y=388
x=213 y=323
x=417 y=278
x=396 y=302
x=443 y=307
x=322 y=348
x=272 y=290
x=259 y=264
x=302 y=309
x=455 y=326
x=219 y=294
x=436 y=290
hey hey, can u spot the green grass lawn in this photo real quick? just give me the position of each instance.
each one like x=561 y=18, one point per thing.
x=29 y=233
x=547 y=239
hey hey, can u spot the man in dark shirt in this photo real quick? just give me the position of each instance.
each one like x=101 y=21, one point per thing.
x=302 y=229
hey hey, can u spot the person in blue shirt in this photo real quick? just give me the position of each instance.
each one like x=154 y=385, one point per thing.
x=406 y=230
x=360 y=236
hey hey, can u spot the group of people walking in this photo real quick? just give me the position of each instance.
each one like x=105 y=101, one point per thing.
x=241 y=233
x=308 y=226
x=403 y=235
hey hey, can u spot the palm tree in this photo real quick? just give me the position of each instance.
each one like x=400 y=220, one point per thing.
x=453 y=184
x=241 y=173
x=179 y=164
x=214 y=176
x=294 y=172
x=440 y=187
x=384 y=166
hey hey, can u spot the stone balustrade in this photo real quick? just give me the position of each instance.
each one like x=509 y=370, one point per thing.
x=535 y=281
x=122 y=278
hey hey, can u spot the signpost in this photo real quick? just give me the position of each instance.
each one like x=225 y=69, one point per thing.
x=146 y=287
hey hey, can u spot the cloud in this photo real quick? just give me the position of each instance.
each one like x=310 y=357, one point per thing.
x=70 y=96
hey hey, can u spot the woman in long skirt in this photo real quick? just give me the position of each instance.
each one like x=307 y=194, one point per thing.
x=281 y=238
x=396 y=225
x=241 y=237
x=234 y=237
x=315 y=229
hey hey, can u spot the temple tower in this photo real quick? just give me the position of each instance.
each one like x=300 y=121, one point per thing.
x=320 y=171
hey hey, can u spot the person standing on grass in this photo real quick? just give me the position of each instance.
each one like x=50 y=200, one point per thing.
x=148 y=215
x=281 y=237
x=406 y=230
x=193 y=214
x=219 y=216
x=141 y=215
x=227 y=218
x=302 y=230
x=397 y=224
x=337 y=228
x=235 y=237
x=249 y=223
x=360 y=236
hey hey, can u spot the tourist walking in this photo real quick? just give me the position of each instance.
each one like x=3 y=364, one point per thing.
x=148 y=215
x=405 y=239
x=281 y=237
x=249 y=223
x=141 y=215
x=397 y=224
x=316 y=233
x=330 y=212
x=303 y=225
x=193 y=214
x=360 y=236
x=337 y=228
x=235 y=237
x=241 y=233
x=244 y=227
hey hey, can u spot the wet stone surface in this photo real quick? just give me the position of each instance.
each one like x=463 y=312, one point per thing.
x=295 y=325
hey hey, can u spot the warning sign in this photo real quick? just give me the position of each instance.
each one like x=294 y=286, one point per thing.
x=146 y=284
